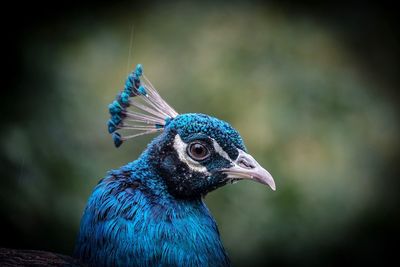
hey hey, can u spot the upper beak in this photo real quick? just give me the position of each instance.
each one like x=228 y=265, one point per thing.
x=246 y=167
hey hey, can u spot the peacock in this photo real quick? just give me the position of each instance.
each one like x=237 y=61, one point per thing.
x=151 y=212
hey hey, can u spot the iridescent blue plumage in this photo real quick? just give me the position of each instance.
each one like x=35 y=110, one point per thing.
x=150 y=212
x=132 y=219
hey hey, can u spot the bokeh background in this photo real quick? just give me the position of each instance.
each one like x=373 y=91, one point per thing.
x=312 y=88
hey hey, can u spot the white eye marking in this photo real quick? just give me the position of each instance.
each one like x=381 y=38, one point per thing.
x=220 y=151
x=180 y=148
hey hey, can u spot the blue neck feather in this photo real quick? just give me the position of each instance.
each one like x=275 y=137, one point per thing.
x=132 y=220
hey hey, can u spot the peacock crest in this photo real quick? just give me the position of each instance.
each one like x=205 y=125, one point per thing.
x=138 y=109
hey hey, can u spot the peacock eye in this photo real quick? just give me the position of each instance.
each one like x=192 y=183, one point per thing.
x=198 y=151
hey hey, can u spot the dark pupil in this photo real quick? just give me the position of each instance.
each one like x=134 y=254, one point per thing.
x=198 y=151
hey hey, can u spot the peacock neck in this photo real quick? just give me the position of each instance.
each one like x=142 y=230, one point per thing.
x=132 y=220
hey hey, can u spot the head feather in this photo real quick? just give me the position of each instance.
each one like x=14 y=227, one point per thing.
x=138 y=109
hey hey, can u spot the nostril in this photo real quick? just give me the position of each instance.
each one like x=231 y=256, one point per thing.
x=245 y=164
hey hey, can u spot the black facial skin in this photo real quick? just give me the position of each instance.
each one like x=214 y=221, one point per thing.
x=181 y=181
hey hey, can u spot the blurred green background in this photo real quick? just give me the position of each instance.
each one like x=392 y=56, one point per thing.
x=311 y=89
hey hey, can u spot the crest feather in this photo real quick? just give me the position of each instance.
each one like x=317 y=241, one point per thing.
x=138 y=109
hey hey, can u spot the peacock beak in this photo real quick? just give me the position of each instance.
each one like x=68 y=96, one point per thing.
x=246 y=167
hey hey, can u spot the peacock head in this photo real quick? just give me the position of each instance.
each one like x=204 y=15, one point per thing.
x=194 y=154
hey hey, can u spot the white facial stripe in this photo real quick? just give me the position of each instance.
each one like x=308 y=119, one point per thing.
x=180 y=148
x=220 y=151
